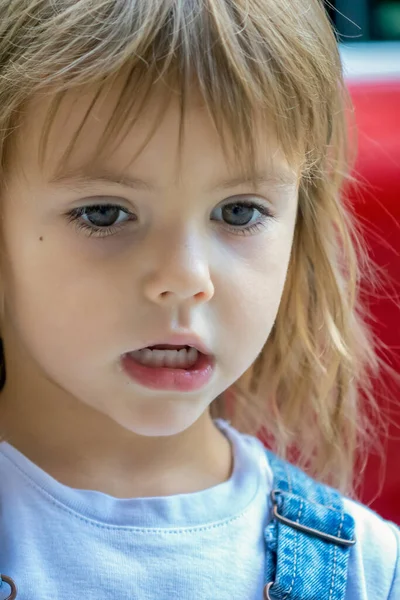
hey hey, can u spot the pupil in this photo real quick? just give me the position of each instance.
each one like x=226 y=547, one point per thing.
x=102 y=216
x=240 y=214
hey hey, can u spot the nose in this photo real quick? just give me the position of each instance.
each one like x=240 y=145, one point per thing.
x=181 y=274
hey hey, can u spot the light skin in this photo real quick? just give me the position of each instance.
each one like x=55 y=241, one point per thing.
x=75 y=303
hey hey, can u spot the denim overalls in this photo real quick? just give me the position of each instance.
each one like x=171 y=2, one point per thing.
x=307 y=541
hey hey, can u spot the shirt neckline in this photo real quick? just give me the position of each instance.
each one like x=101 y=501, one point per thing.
x=221 y=502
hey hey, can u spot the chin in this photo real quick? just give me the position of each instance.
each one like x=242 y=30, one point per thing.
x=161 y=423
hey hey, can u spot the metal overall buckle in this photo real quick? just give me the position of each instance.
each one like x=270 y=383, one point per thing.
x=309 y=530
x=12 y=585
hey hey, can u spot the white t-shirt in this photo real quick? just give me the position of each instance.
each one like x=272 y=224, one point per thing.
x=59 y=543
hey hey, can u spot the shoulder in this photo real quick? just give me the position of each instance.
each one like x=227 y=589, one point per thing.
x=374 y=562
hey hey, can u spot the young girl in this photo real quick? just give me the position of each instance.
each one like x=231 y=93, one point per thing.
x=178 y=270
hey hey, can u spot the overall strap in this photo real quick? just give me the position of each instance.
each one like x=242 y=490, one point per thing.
x=308 y=540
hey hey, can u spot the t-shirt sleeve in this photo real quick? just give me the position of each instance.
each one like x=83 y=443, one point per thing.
x=395 y=587
x=373 y=570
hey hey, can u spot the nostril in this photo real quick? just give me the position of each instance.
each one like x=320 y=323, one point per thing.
x=10 y=582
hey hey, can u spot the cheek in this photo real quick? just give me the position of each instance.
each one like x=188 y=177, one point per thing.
x=61 y=303
x=250 y=298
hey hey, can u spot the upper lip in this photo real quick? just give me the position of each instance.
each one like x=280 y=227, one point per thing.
x=180 y=340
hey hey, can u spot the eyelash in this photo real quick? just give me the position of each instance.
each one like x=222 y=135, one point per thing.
x=74 y=216
x=249 y=229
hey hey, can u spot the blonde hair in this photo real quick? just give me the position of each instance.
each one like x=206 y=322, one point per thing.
x=308 y=387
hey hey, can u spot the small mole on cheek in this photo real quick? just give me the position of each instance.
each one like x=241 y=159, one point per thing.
x=41 y=238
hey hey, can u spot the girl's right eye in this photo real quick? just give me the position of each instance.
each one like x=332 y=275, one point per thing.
x=100 y=220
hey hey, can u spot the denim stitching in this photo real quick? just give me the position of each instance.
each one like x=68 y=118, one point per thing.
x=334 y=572
x=334 y=559
x=295 y=553
x=289 y=478
x=319 y=504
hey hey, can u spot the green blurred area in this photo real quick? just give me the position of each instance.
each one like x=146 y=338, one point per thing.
x=364 y=20
x=386 y=20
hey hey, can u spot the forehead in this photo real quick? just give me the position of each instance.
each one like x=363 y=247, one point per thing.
x=154 y=139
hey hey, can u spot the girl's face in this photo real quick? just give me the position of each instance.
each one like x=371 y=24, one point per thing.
x=175 y=251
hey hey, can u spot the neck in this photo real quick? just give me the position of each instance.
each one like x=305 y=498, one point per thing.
x=82 y=448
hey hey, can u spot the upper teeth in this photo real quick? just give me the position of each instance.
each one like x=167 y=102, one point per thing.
x=182 y=358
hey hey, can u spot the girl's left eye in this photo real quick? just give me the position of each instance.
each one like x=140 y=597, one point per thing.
x=100 y=220
x=243 y=216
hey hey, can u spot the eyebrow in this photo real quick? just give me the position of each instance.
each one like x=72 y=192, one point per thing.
x=275 y=178
x=81 y=178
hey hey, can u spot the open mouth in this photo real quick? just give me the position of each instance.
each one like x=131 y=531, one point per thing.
x=181 y=368
x=172 y=357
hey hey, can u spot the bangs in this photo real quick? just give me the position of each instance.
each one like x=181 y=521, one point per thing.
x=248 y=66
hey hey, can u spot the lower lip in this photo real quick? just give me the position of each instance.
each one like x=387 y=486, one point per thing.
x=166 y=378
